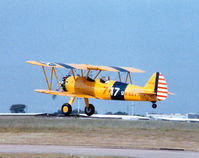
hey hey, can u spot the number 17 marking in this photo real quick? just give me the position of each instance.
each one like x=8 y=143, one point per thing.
x=116 y=92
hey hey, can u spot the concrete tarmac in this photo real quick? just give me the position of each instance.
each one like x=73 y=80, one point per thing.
x=95 y=151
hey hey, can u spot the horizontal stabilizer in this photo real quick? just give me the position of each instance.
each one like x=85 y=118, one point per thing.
x=144 y=91
x=170 y=93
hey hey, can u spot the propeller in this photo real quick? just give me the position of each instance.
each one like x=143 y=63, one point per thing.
x=62 y=85
x=55 y=96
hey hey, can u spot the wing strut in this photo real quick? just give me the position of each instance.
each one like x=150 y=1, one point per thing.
x=57 y=80
x=73 y=74
x=82 y=73
x=119 y=76
x=51 y=79
x=97 y=74
x=88 y=73
x=46 y=77
x=128 y=75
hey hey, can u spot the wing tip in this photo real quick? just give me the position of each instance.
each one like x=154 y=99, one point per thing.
x=141 y=71
x=29 y=61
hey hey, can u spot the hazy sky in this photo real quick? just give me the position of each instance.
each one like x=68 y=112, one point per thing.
x=150 y=35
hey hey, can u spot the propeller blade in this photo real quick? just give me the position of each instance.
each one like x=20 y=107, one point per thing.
x=54 y=97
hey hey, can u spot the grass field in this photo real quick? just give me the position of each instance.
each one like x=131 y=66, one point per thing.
x=100 y=133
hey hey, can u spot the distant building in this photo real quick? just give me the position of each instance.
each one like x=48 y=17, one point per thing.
x=193 y=116
x=163 y=116
x=190 y=117
x=18 y=108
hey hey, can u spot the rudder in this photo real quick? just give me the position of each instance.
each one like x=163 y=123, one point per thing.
x=157 y=82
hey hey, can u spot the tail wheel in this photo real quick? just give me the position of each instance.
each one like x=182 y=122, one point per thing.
x=66 y=109
x=154 y=105
x=89 y=110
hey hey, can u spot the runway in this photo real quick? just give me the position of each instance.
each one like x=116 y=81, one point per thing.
x=80 y=150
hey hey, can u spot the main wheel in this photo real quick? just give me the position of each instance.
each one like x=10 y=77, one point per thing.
x=154 y=105
x=66 y=109
x=89 y=110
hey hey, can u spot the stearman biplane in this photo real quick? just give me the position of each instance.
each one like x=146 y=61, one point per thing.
x=83 y=86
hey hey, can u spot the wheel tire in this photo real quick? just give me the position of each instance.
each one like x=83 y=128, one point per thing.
x=66 y=109
x=154 y=106
x=89 y=110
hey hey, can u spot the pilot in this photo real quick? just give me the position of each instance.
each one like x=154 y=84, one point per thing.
x=107 y=79
x=104 y=79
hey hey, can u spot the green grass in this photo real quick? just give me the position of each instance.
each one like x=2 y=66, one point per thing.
x=29 y=124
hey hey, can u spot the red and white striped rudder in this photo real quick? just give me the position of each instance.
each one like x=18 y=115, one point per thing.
x=161 y=87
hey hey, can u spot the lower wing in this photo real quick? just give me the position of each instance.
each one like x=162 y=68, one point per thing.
x=64 y=93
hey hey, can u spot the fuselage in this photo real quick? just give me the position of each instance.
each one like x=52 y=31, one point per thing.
x=109 y=90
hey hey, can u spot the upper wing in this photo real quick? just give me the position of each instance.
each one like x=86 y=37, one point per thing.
x=86 y=67
x=64 y=93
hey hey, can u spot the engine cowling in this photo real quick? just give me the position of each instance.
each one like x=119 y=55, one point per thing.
x=63 y=82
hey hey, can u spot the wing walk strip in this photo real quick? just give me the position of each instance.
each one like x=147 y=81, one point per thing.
x=65 y=66
x=119 y=69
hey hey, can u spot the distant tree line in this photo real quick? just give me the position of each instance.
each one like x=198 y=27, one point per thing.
x=21 y=108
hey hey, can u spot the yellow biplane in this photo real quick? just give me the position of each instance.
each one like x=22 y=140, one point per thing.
x=83 y=86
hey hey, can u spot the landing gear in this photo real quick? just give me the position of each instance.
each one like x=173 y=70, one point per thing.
x=154 y=105
x=89 y=110
x=66 y=109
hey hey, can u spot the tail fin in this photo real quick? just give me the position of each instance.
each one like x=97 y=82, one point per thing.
x=158 y=84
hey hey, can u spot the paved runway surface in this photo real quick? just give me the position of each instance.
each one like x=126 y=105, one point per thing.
x=140 y=153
